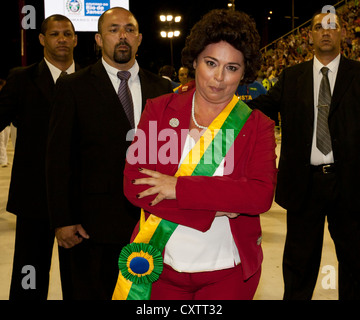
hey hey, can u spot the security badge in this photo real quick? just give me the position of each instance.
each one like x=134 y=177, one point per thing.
x=174 y=122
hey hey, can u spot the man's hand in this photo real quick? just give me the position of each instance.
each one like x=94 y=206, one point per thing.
x=70 y=236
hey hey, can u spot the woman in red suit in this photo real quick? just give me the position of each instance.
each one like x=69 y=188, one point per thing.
x=205 y=162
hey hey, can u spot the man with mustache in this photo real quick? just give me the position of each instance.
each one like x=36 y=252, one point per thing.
x=88 y=140
x=25 y=101
x=122 y=52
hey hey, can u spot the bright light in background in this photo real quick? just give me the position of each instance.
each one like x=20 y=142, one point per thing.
x=170 y=18
x=170 y=34
x=231 y=5
x=168 y=30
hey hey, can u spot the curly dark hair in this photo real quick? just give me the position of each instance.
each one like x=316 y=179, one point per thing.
x=235 y=27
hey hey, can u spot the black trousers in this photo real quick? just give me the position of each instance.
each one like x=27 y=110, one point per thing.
x=34 y=241
x=94 y=270
x=304 y=241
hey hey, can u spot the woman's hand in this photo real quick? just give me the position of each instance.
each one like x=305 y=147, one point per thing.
x=161 y=184
x=230 y=215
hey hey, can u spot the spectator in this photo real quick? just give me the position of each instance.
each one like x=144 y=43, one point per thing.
x=168 y=72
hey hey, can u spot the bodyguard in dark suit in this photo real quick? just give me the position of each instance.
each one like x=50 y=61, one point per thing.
x=88 y=140
x=312 y=184
x=25 y=101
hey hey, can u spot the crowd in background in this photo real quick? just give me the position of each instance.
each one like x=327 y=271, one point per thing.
x=296 y=47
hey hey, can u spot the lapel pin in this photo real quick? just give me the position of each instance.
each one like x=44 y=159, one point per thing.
x=174 y=122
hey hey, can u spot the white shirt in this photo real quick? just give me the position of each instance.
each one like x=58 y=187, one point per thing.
x=317 y=157
x=55 y=72
x=134 y=86
x=190 y=250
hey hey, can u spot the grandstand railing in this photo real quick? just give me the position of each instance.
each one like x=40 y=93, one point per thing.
x=297 y=29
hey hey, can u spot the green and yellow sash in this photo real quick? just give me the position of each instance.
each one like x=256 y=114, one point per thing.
x=141 y=261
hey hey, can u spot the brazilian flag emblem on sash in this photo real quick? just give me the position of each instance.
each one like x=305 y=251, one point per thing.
x=141 y=262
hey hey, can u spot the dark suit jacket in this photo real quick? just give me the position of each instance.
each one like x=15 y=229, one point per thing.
x=86 y=154
x=25 y=101
x=293 y=96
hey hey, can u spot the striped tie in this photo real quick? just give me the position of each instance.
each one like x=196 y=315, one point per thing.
x=323 y=140
x=125 y=96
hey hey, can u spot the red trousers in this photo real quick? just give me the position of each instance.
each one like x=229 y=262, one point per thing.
x=227 y=284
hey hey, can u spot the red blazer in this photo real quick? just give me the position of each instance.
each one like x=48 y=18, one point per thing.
x=248 y=189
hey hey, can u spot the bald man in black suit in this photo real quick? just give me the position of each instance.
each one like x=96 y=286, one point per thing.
x=87 y=147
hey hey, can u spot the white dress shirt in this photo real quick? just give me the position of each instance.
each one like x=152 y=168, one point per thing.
x=190 y=250
x=55 y=72
x=317 y=157
x=134 y=86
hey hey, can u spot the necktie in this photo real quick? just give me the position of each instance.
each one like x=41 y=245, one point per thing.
x=125 y=96
x=63 y=73
x=323 y=140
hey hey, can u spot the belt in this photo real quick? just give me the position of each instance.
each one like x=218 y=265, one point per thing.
x=324 y=168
